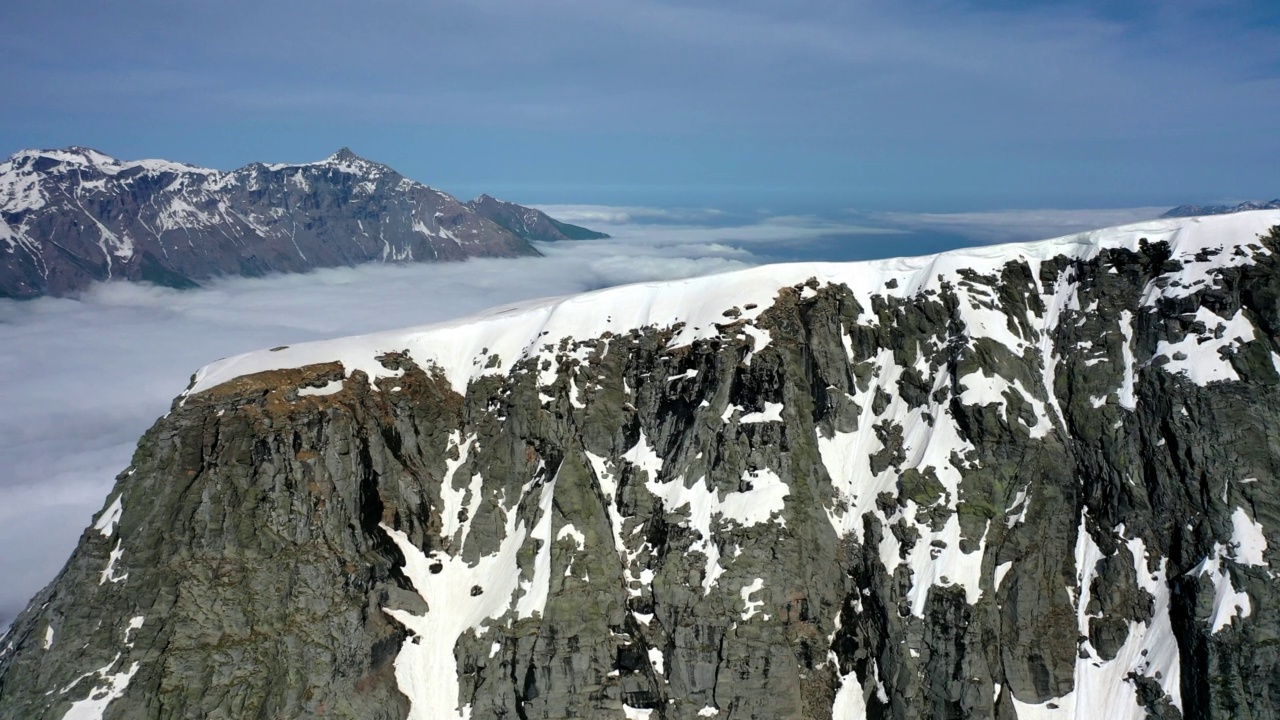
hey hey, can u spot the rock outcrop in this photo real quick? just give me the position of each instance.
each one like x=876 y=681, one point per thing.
x=72 y=217
x=1025 y=481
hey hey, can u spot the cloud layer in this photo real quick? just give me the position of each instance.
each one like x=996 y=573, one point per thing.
x=1015 y=225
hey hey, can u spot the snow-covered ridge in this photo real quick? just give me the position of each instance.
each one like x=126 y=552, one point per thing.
x=81 y=159
x=24 y=175
x=461 y=347
x=344 y=161
x=88 y=158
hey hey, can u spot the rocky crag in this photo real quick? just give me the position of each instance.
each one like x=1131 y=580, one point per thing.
x=75 y=216
x=1025 y=481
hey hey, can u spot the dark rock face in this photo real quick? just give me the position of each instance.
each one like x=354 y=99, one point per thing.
x=71 y=217
x=529 y=223
x=977 y=485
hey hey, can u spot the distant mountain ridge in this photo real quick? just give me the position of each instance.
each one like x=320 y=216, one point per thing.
x=75 y=216
x=529 y=223
x=1193 y=210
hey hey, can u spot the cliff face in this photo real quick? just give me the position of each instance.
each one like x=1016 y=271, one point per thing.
x=1031 y=481
x=71 y=217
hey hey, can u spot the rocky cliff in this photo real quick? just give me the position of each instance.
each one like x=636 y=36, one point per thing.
x=1024 y=481
x=71 y=217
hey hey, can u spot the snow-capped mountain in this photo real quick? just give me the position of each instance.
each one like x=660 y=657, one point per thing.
x=1193 y=210
x=70 y=217
x=1019 y=482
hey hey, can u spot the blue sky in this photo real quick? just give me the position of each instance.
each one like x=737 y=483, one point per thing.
x=934 y=105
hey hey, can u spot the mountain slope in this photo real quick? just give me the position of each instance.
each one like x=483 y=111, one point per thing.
x=1022 y=481
x=74 y=216
x=528 y=223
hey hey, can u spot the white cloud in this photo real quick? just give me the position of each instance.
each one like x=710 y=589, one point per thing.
x=624 y=215
x=999 y=226
x=706 y=227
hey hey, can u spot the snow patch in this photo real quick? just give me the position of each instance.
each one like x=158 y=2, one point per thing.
x=703 y=504
x=110 y=517
x=1001 y=570
x=1202 y=360
x=656 y=660
x=108 y=573
x=329 y=388
x=113 y=686
x=1228 y=602
x=536 y=591
x=426 y=669
x=1247 y=539
x=759 y=340
x=850 y=704
x=569 y=531
x=1127 y=395
x=1103 y=688
x=458 y=502
x=772 y=413
x=752 y=606
x=1019 y=501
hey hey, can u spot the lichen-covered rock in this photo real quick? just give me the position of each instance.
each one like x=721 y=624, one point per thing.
x=982 y=484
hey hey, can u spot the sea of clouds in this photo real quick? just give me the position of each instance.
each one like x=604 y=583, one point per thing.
x=81 y=379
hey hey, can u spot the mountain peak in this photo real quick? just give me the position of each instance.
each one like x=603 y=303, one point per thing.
x=346 y=160
x=345 y=154
x=73 y=155
x=86 y=151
